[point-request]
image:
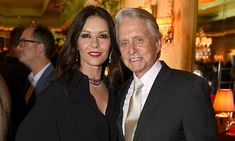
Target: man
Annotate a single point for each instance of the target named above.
(169, 104)
(36, 47)
(15, 74)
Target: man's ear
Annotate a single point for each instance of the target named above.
(41, 48)
(158, 44)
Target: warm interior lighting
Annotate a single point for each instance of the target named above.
(166, 28)
(218, 57)
(204, 1)
(224, 106)
(202, 50)
(224, 101)
(6, 28)
(166, 22)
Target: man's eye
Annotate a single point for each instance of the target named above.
(85, 36)
(124, 44)
(139, 40)
(104, 36)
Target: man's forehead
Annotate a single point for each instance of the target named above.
(27, 31)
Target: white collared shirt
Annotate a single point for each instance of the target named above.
(147, 79)
(33, 79)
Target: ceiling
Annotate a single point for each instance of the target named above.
(24, 12)
(216, 10)
(49, 12)
(217, 16)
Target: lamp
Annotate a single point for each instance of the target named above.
(224, 101)
(224, 105)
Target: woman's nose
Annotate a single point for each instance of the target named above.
(95, 43)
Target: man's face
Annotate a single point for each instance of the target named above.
(138, 49)
(27, 48)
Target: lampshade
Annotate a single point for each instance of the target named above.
(224, 101)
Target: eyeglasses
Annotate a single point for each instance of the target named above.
(23, 41)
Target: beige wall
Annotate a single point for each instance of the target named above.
(179, 53)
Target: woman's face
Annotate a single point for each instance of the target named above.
(94, 43)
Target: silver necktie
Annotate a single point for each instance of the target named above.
(133, 111)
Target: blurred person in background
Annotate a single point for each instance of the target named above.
(15, 74)
(5, 110)
(36, 47)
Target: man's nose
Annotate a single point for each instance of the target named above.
(132, 48)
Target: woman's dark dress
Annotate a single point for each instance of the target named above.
(69, 115)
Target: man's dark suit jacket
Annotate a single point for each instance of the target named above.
(178, 108)
(42, 83)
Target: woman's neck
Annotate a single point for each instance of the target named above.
(93, 73)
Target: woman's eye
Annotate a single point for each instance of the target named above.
(104, 36)
(85, 36)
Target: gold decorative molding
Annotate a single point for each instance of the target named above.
(204, 1)
(165, 19)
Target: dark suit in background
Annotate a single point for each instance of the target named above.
(44, 79)
(12, 67)
(42, 83)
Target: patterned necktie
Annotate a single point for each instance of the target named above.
(133, 111)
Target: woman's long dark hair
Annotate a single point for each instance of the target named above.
(69, 59)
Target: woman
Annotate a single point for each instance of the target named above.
(79, 104)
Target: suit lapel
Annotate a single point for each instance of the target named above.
(155, 95)
(119, 125)
(43, 81)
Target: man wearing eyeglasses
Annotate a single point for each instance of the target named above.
(36, 47)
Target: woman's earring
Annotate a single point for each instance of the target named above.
(110, 57)
(76, 59)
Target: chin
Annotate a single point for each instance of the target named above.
(136, 71)
(97, 63)
(135, 68)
